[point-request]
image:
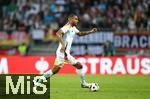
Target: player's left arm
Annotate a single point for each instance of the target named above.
(83, 33)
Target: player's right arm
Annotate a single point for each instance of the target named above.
(83, 33)
(59, 35)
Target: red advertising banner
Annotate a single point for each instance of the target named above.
(91, 65)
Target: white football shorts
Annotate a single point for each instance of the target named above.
(60, 59)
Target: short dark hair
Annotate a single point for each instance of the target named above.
(70, 16)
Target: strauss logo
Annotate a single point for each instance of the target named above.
(41, 65)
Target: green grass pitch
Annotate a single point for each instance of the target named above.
(111, 87)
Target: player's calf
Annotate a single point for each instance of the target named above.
(56, 69)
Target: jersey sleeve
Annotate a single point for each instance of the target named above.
(64, 29)
(76, 30)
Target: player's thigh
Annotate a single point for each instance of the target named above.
(59, 61)
(71, 59)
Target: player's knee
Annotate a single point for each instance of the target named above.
(56, 69)
(78, 65)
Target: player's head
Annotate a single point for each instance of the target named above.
(73, 19)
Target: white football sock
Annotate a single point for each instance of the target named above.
(82, 76)
(46, 75)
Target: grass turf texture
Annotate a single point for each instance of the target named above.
(111, 87)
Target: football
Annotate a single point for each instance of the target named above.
(94, 87)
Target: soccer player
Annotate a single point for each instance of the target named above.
(65, 36)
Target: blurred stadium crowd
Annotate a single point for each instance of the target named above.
(25, 20)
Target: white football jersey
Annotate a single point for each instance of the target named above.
(69, 33)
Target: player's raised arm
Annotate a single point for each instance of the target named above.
(83, 33)
(60, 34)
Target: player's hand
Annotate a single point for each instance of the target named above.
(93, 30)
(62, 49)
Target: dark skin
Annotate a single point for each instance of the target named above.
(72, 21)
